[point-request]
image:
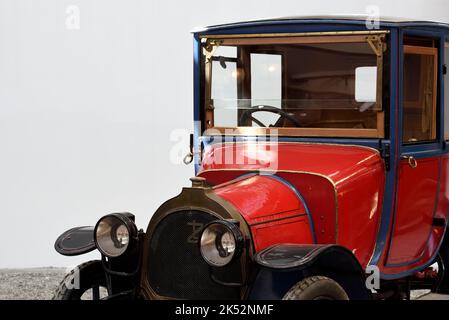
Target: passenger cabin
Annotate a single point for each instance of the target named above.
(340, 80)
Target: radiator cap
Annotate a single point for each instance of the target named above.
(198, 182)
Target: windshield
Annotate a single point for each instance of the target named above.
(329, 83)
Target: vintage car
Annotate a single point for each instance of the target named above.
(322, 168)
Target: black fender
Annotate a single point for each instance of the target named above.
(283, 265)
(443, 254)
(76, 241)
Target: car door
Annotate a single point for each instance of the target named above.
(420, 156)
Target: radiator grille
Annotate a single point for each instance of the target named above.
(176, 268)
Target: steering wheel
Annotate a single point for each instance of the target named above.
(248, 114)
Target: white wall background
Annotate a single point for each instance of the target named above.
(86, 115)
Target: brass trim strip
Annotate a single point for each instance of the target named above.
(300, 142)
(420, 50)
(279, 219)
(290, 40)
(293, 213)
(300, 34)
(299, 132)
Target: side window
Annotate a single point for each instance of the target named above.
(420, 84)
(446, 94)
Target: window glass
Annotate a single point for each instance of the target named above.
(316, 85)
(266, 85)
(224, 84)
(419, 116)
(366, 84)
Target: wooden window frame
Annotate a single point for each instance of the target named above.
(429, 51)
(311, 38)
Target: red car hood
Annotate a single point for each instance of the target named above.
(339, 163)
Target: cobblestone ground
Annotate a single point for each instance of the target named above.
(40, 284)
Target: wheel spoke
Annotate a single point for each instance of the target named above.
(96, 293)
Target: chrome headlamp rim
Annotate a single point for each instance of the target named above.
(233, 227)
(125, 220)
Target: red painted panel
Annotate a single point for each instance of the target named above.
(437, 233)
(443, 196)
(318, 193)
(415, 208)
(271, 208)
(359, 209)
(261, 198)
(287, 231)
(342, 185)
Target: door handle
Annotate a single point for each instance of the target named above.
(439, 222)
(411, 161)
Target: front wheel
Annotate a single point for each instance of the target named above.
(316, 288)
(85, 282)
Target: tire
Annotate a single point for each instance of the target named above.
(316, 288)
(444, 255)
(91, 276)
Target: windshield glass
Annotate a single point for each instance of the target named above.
(301, 83)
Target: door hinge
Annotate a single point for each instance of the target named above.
(386, 155)
(444, 69)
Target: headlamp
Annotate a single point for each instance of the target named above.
(221, 241)
(114, 233)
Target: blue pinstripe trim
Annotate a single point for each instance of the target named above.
(390, 178)
(196, 100)
(300, 197)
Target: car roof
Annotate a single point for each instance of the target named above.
(342, 19)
